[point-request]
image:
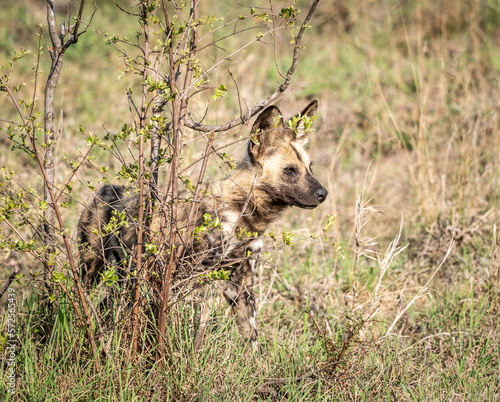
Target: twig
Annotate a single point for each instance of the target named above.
(9, 281)
(261, 105)
(281, 381)
(433, 336)
(238, 93)
(162, 314)
(423, 289)
(74, 172)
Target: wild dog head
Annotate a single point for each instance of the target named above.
(277, 149)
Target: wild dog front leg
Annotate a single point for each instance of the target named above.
(207, 301)
(239, 294)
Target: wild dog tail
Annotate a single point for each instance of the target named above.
(92, 246)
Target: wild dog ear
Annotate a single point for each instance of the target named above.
(266, 131)
(302, 121)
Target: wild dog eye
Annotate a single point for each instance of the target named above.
(311, 166)
(290, 170)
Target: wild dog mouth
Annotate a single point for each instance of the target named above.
(303, 206)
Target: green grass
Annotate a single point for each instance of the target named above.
(449, 349)
(408, 118)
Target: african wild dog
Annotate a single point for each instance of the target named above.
(275, 174)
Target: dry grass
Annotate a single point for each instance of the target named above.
(408, 125)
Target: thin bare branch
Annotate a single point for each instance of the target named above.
(9, 281)
(253, 110)
(165, 290)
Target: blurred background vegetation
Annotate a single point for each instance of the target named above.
(408, 125)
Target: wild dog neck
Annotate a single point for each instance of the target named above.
(247, 202)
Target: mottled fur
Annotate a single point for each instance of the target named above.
(275, 174)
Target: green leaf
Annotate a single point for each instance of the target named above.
(219, 92)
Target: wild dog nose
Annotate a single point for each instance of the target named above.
(321, 194)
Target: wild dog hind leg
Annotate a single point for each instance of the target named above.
(239, 294)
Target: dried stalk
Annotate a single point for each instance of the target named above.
(423, 289)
